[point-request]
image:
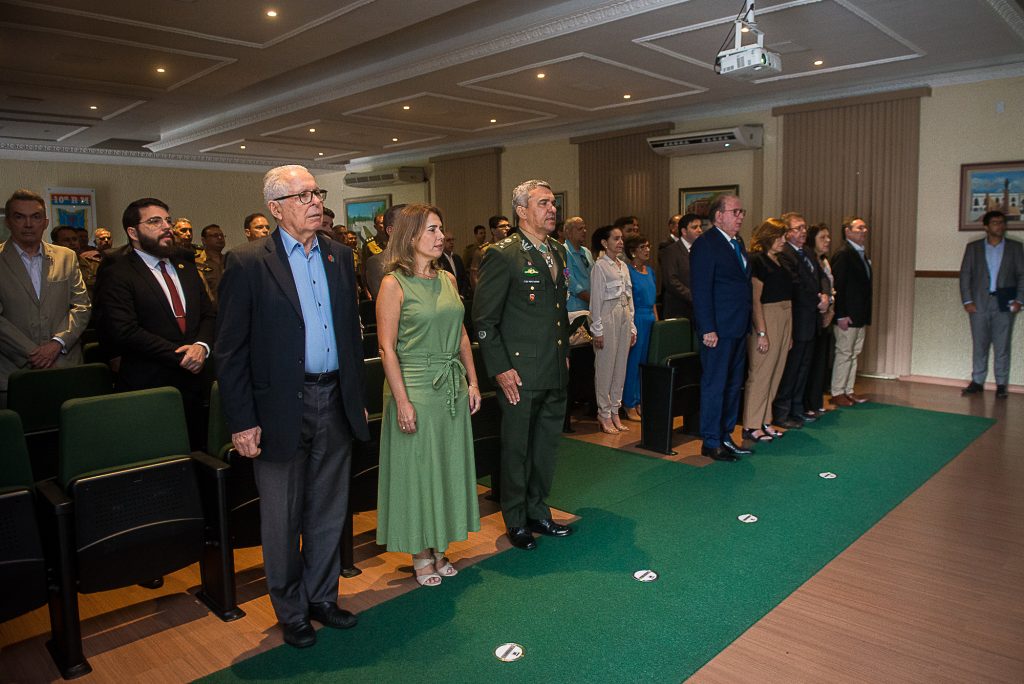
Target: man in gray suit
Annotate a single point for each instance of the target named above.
(991, 288)
(44, 306)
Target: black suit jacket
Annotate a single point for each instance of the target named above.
(853, 287)
(136, 322)
(460, 273)
(261, 343)
(677, 300)
(806, 286)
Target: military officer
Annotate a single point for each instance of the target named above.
(523, 330)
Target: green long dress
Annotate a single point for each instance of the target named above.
(427, 485)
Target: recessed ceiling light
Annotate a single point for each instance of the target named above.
(541, 75)
(394, 140)
(93, 107)
(727, 144)
(818, 62)
(406, 107)
(494, 121)
(745, 29)
(626, 96)
(241, 147)
(160, 70)
(271, 13)
(312, 130)
(320, 154)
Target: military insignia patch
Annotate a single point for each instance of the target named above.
(374, 247)
(482, 334)
(530, 270)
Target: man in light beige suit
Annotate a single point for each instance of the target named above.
(43, 303)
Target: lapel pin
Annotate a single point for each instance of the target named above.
(181, 266)
(330, 257)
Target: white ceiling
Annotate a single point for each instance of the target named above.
(79, 77)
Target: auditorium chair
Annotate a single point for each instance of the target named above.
(37, 395)
(487, 427)
(669, 384)
(22, 566)
(368, 313)
(370, 347)
(126, 508)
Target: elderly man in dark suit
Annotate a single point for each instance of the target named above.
(154, 312)
(808, 304)
(452, 262)
(851, 269)
(991, 288)
(674, 260)
(289, 362)
(720, 281)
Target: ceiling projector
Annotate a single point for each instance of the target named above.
(747, 62)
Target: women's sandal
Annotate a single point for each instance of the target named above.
(606, 426)
(775, 434)
(444, 566)
(763, 437)
(618, 424)
(430, 579)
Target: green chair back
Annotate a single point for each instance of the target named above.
(374, 386)
(218, 434)
(15, 467)
(37, 395)
(669, 337)
(101, 433)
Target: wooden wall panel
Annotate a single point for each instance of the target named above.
(467, 188)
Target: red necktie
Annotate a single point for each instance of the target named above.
(179, 310)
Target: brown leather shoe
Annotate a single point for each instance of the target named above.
(855, 398)
(842, 400)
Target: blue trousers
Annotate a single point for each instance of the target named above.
(721, 380)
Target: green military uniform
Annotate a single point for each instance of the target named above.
(211, 271)
(521, 322)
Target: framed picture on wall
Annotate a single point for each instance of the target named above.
(75, 207)
(698, 200)
(993, 186)
(359, 213)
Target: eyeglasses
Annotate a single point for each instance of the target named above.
(305, 197)
(158, 221)
(738, 213)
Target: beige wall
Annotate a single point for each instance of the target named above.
(960, 124)
(221, 197)
(556, 162)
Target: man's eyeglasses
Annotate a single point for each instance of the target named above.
(738, 213)
(158, 221)
(305, 197)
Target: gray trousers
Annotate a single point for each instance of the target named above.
(306, 497)
(991, 328)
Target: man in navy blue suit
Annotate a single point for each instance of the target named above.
(720, 283)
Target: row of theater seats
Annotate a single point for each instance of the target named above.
(111, 497)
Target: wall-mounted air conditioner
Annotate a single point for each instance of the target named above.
(384, 177)
(704, 142)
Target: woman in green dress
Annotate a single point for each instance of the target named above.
(427, 484)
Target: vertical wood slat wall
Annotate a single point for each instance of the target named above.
(467, 190)
(621, 176)
(861, 158)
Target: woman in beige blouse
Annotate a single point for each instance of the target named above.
(611, 313)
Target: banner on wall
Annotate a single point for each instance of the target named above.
(75, 207)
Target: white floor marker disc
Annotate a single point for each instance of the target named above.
(747, 518)
(827, 476)
(509, 652)
(645, 575)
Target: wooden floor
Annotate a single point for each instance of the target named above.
(933, 593)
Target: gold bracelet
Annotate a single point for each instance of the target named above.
(474, 386)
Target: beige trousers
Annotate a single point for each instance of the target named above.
(849, 343)
(610, 362)
(766, 369)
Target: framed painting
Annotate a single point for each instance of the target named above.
(995, 186)
(75, 207)
(698, 200)
(359, 213)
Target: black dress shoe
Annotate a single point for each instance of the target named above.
(735, 448)
(152, 584)
(299, 634)
(718, 454)
(330, 615)
(809, 416)
(549, 528)
(521, 538)
(1001, 392)
(972, 388)
(791, 423)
